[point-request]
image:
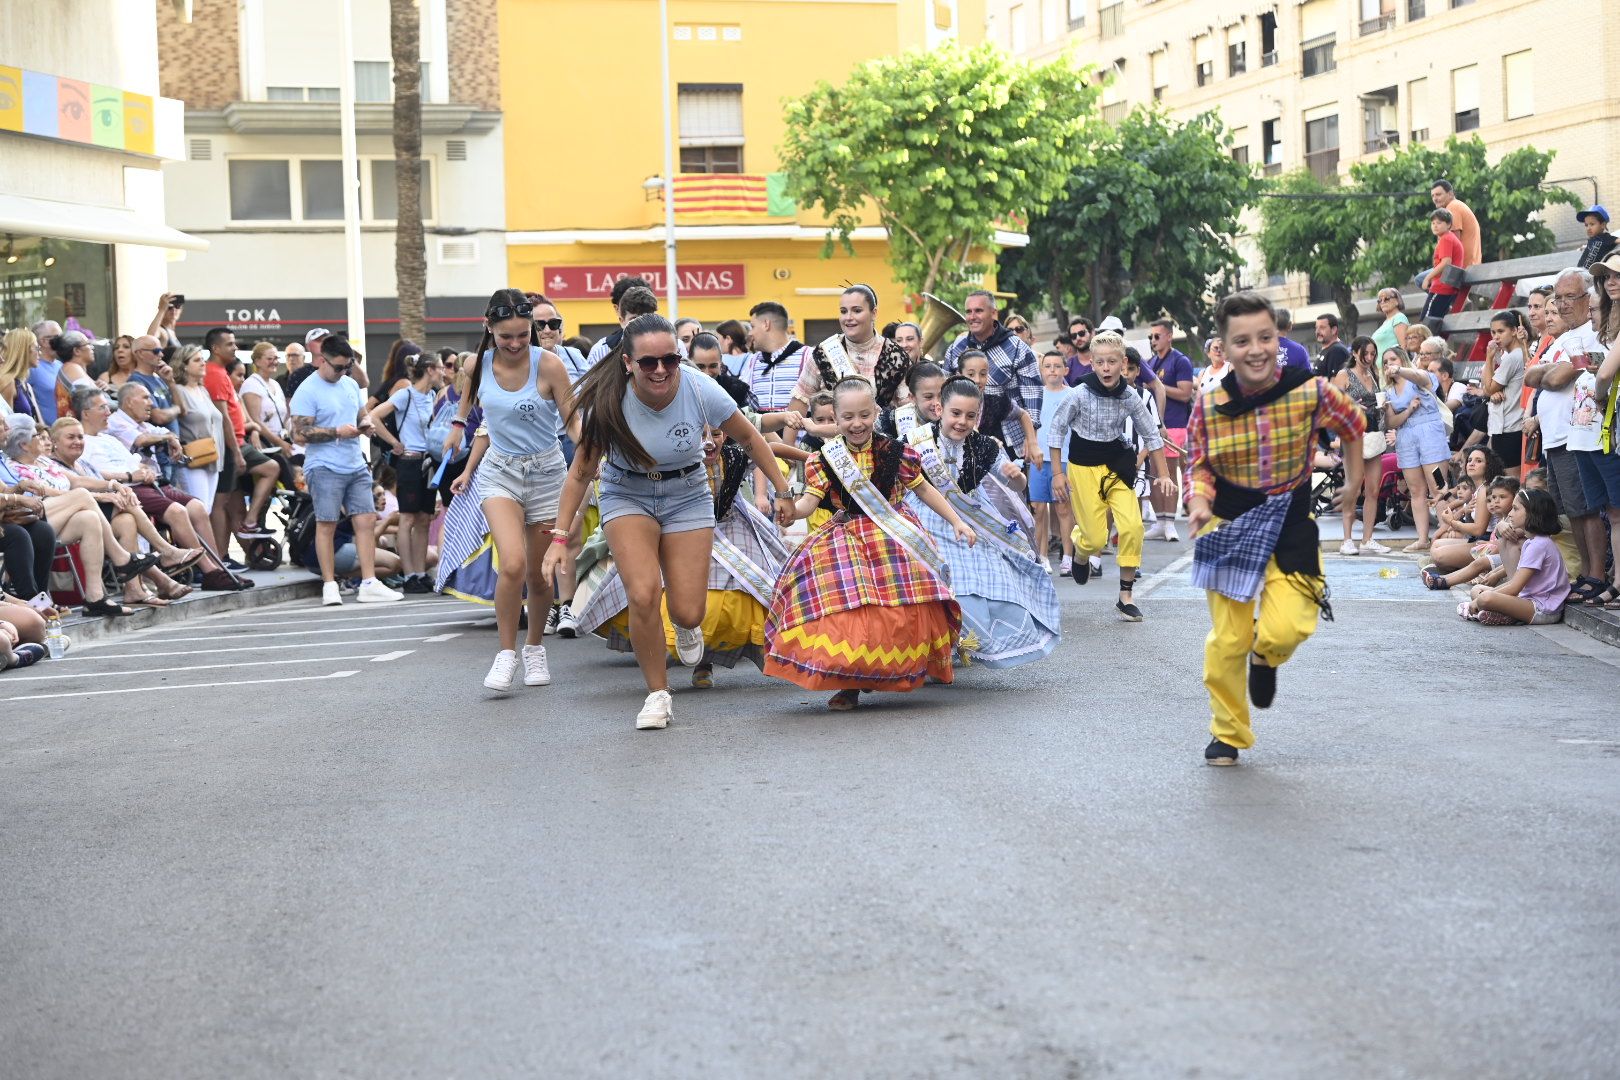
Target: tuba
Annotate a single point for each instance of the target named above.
(937, 317)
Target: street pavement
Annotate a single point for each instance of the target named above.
(297, 842)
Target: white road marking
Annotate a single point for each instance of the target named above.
(89, 674)
(303, 633)
(352, 620)
(426, 640)
(1164, 575)
(1590, 742)
(240, 648)
(385, 657)
(182, 686)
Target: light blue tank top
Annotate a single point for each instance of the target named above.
(520, 423)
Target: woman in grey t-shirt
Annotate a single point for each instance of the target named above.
(642, 415)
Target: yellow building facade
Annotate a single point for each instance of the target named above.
(584, 148)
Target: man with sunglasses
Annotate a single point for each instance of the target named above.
(152, 373)
(328, 417)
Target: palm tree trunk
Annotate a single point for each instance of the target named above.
(410, 254)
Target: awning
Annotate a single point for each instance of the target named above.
(98, 224)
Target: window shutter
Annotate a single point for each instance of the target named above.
(1318, 18)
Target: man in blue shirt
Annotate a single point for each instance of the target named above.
(1290, 353)
(152, 373)
(328, 417)
(42, 376)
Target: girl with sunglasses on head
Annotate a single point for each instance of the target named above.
(516, 468)
(642, 416)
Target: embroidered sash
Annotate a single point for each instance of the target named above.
(939, 474)
(760, 585)
(837, 358)
(899, 528)
(905, 420)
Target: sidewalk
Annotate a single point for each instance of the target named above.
(270, 587)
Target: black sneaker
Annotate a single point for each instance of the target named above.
(1262, 684)
(1080, 570)
(1128, 612)
(1218, 753)
(417, 583)
(234, 566)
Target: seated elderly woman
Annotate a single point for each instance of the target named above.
(130, 521)
(71, 511)
(107, 455)
(27, 543)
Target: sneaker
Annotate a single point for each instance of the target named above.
(702, 678)
(567, 625)
(1128, 612)
(689, 645)
(27, 654)
(1262, 683)
(331, 595)
(1376, 548)
(1095, 562)
(375, 592)
(235, 567)
(502, 671)
(552, 618)
(1218, 753)
(1080, 570)
(1066, 567)
(1154, 532)
(1044, 564)
(417, 583)
(535, 671)
(1348, 548)
(1170, 533)
(655, 712)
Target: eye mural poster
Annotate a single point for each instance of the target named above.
(70, 110)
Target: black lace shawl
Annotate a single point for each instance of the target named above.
(979, 452)
(734, 467)
(886, 455)
(890, 372)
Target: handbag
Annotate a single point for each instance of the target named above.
(200, 452)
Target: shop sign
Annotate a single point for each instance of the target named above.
(691, 280)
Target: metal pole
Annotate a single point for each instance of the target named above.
(351, 177)
(672, 301)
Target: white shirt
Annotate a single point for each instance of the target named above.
(272, 402)
(106, 454)
(1556, 407)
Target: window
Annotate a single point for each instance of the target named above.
(1268, 39)
(260, 191)
(1017, 32)
(1417, 104)
(1322, 142)
(373, 81)
(1240, 154)
(1237, 58)
(1317, 57)
(1112, 20)
(1204, 59)
(1380, 123)
(1415, 10)
(383, 205)
(1518, 92)
(1376, 16)
(1158, 74)
(1077, 13)
(711, 127)
(1465, 98)
(322, 183)
(1052, 19)
(1271, 146)
(300, 93)
(1318, 28)
(324, 93)
(1240, 145)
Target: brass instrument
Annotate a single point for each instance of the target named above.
(937, 318)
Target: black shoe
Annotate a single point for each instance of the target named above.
(417, 583)
(1218, 753)
(1080, 570)
(137, 565)
(1128, 612)
(1262, 684)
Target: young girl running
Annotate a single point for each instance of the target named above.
(865, 603)
(413, 468)
(924, 381)
(1538, 589)
(517, 466)
(1049, 510)
(1009, 606)
(642, 417)
(747, 555)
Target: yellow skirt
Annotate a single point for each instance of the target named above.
(733, 629)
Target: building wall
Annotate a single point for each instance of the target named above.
(201, 59)
(1575, 113)
(475, 55)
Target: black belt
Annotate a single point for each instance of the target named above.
(667, 474)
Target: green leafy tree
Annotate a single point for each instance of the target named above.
(1306, 229)
(943, 145)
(1144, 227)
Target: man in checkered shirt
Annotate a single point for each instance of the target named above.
(1015, 370)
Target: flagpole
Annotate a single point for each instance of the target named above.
(672, 301)
(354, 283)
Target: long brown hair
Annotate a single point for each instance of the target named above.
(499, 298)
(599, 398)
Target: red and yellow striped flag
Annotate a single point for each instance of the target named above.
(732, 195)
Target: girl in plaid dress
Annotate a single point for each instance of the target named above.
(865, 603)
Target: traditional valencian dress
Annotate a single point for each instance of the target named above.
(881, 362)
(1009, 607)
(747, 555)
(865, 603)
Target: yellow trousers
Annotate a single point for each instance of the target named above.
(1287, 617)
(1094, 490)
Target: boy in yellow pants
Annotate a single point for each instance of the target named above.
(1101, 474)
(1251, 438)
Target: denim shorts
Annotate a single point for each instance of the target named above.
(1600, 478)
(678, 504)
(533, 481)
(1040, 482)
(336, 493)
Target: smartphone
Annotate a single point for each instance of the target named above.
(177, 300)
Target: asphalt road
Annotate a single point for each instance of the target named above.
(304, 843)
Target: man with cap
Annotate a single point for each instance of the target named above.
(1599, 240)
(312, 347)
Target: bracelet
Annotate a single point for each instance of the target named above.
(559, 538)
(559, 534)
(456, 421)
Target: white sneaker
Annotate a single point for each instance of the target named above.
(689, 646)
(1043, 564)
(375, 592)
(1154, 531)
(1170, 533)
(1375, 547)
(1066, 566)
(567, 625)
(331, 594)
(535, 671)
(655, 712)
(1347, 548)
(502, 671)
(1096, 566)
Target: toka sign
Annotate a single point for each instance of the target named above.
(691, 280)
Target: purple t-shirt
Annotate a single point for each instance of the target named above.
(1078, 369)
(1548, 587)
(1174, 369)
(1293, 354)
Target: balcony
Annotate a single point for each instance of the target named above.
(1384, 141)
(1323, 164)
(1268, 59)
(1272, 168)
(1378, 25)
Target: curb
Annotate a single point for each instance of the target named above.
(1596, 623)
(192, 607)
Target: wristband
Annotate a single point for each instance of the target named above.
(556, 539)
(456, 421)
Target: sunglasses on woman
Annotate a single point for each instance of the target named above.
(650, 363)
(509, 311)
(548, 324)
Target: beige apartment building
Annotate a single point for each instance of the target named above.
(1324, 83)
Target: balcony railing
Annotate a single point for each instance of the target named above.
(1268, 59)
(1323, 164)
(1272, 168)
(1378, 25)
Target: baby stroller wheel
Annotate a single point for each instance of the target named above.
(264, 553)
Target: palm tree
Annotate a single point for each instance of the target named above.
(410, 255)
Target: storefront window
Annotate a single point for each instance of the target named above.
(69, 281)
